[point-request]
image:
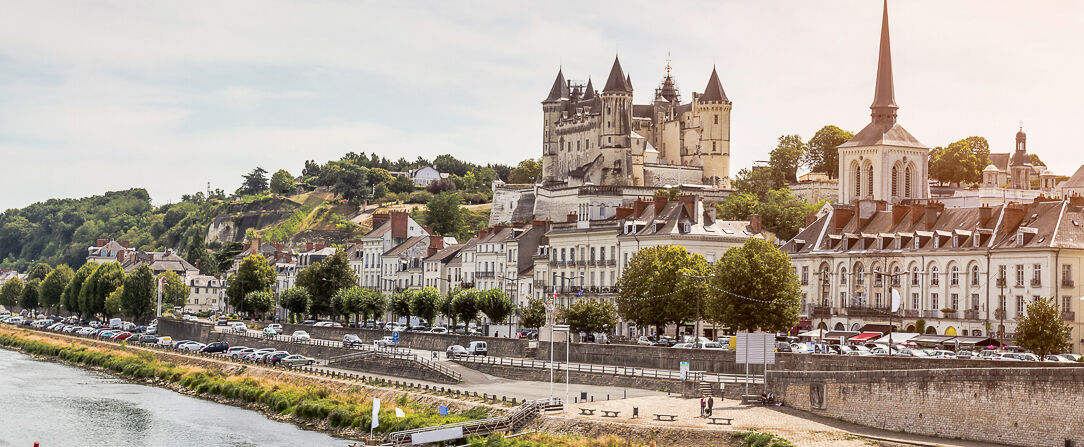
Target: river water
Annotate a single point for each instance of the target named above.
(60, 405)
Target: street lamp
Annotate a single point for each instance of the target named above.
(568, 370)
(895, 302)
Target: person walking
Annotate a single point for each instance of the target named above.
(702, 402)
(711, 403)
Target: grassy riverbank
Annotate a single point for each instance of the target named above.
(344, 411)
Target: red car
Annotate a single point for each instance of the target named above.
(122, 336)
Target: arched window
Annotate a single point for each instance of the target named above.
(955, 278)
(895, 182)
(914, 276)
(974, 275)
(869, 180)
(859, 275)
(843, 276)
(896, 276)
(857, 182)
(907, 182)
(935, 276)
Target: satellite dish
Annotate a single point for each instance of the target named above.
(895, 300)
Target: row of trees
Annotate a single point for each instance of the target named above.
(752, 287)
(94, 290)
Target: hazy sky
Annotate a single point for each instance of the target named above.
(98, 96)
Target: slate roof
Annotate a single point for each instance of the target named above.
(714, 91)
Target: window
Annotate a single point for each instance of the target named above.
(805, 275)
(843, 276)
(592, 255)
(914, 301)
(1001, 302)
(914, 276)
(563, 255)
(896, 276)
(877, 299)
(907, 182)
(716, 119)
(954, 278)
(869, 180)
(955, 301)
(613, 252)
(1066, 304)
(935, 276)
(1019, 275)
(1066, 274)
(842, 299)
(1036, 274)
(974, 275)
(857, 181)
(572, 255)
(859, 275)
(975, 301)
(895, 181)
(933, 301)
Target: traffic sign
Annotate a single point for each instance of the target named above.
(395, 336)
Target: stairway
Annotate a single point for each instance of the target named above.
(705, 389)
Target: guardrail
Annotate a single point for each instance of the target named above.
(509, 422)
(699, 376)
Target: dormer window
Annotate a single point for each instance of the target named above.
(1019, 237)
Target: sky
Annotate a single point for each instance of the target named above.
(168, 96)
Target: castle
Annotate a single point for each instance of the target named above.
(602, 138)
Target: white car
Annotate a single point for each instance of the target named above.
(194, 346)
(275, 327)
(258, 353)
(239, 327)
(301, 336)
(438, 330)
(166, 341)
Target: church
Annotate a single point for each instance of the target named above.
(602, 138)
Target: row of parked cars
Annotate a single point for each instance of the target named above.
(74, 324)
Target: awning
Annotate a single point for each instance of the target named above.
(976, 341)
(834, 335)
(865, 336)
(898, 337)
(932, 340)
(812, 334)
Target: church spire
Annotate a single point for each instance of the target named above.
(884, 99)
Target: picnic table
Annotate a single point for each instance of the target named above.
(668, 417)
(587, 411)
(610, 413)
(715, 420)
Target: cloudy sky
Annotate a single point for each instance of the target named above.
(98, 96)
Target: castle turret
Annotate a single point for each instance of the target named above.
(616, 108)
(552, 107)
(713, 108)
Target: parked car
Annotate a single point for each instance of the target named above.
(308, 322)
(165, 341)
(122, 336)
(718, 346)
(268, 332)
(456, 351)
(478, 348)
(645, 341)
(275, 327)
(327, 324)
(296, 360)
(242, 353)
(683, 346)
(256, 354)
(152, 330)
(148, 339)
(964, 354)
(418, 328)
(239, 327)
(301, 336)
(352, 340)
(1071, 357)
(234, 349)
(192, 347)
(218, 346)
(438, 330)
(274, 357)
(222, 321)
(385, 342)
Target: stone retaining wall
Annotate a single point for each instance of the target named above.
(684, 388)
(503, 347)
(1014, 406)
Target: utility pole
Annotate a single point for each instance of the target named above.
(158, 312)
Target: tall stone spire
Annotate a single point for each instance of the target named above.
(559, 91)
(884, 98)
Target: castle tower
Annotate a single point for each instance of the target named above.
(714, 112)
(883, 161)
(1020, 165)
(616, 109)
(552, 108)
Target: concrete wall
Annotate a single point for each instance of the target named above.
(1014, 406)
(684, 388)
(503, 347)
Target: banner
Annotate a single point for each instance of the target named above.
(376, 413)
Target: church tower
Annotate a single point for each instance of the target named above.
(552, 107)
(883, 161)
(713, 108)
(1020, 164)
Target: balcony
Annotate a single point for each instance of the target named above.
(935, 282)
(949, 313)
(867, 312)
(1068, 316)
(581, 263)
(910, 313)
(822, 312)
(999, 314)
(611, 261)
(1036, 282)
(930, 314)
(485, 274)
(1000, 282)
(972, 314)
(1067, 283)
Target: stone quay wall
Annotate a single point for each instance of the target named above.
(502, 347)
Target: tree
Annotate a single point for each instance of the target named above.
(198, 256)
(260, 302)
(1041, 329)
(38, 271)
(253, 275)
(533, 314)
(282, 182)
(496, 305)
(757, 180)
(822, 154)
(786, 157)
(527, 172)
(11, 293)
(379, 175)
(449, 164)
(738, 206)
(657, 289)
(31, 290)
(961, 162)
(323, 279)
(446, 306)
(113, 302)
(174, 291)
(102, 282)
(754, 288)
(400, 304)
(70, 300)
(296, 300)
(254, 182)
(1034, 158)
(139, 298)
(783, 213)
(443, 213)
(52, 288)
(373, 303)
(345, 179)
(465, 306)
(424, 304)
(590, 316)
(346, 301)
(401, 183)
(439, 186)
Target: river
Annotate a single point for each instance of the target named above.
(60, 405)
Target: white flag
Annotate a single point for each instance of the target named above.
(399, 413)
(376, 413)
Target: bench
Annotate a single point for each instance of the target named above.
(610, 413)
(587, 411)
(668, 417)
(715, 420)
(746, 398)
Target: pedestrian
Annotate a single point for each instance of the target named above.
(702, 402)
(711, 403)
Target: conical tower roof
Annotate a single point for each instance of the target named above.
(714, 91)
(589, 91)
(559, 91)
(884, 97)
(628, 82)
(617, 82)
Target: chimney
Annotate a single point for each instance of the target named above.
(660, 203)
(754, 222)
(125, 244)
(483, 233)
(379, 219)
(308, 246)
(689, 201)
(1014, 215)
(840, 217)
(428, 229)
(918, 210)
(538, 223)
(319, 246)
(867, 210)
(810, 218)
(399, 224)
(709, 215)
(933, 210)
(898, 212)
(572, 217)
(101, 242)
(121, 255)
(985, 213)
(638, 207)
(436, 243)
(1076, 200)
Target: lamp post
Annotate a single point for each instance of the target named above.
(568, 341)
(892, 308)
(161, 281)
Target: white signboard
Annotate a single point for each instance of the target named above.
(755, 349)
(441, 435)
(684, 370)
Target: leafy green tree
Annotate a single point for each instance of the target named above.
(139, 298)
(102, 282)
(401, 184)
(657, 287)
(496, 305)
(254, 182)
(961, 162)
(786, 157)
(11, 293)
(533, 314)
(323, 279)
(590, 316)
(296, 300)
(822, 154)
(31, 290)
(757, 180)
(738, 206)
(38, 271)
(424, 303)
(282, 182)
(113, 302)
(345, 179)
(198, 256)
(754, 288)
(344, 300)
(373, 304)
(443, 214)
(465, 306)
(527, 172)
(260, 302)
(1041, 329)
(446, 306)
(784, 214)
(447, 163)
(400, 304)
(1033, 157)
(52, 288)
(174, 292)
(253, 275)
(378, 176)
